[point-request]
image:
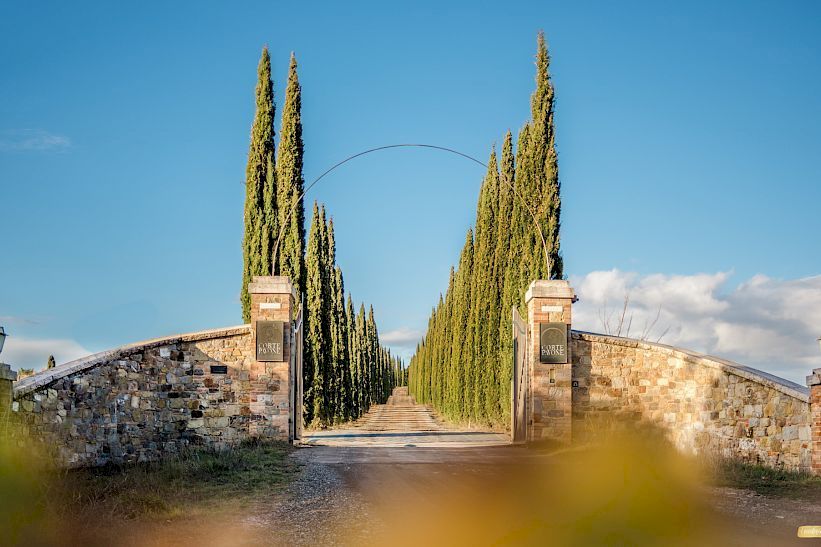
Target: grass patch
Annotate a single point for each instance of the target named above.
(190, 483)
(765, 480)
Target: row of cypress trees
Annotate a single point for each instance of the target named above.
(274, 186)
(463, 365)
(345, 368)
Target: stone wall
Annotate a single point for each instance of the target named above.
(7, 377)
(145, 400)
(814, 385)
(704, 403)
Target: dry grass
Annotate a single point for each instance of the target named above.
(195, 480)
(42, 504)
(765, 480)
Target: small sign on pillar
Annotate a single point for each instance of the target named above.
(270, 340)
(553, 343)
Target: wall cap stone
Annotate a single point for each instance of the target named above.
(49, 376)
(782, 385)
(6, 373)
(550, 288)
(272, 284)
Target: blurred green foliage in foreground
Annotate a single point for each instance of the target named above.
(41, 504)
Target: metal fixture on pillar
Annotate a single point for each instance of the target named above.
(2, 338)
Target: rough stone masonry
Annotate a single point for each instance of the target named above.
(142, 401)
(704, 404)
(146, 400)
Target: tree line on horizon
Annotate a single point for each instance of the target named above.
(345, 367)
(463, 365)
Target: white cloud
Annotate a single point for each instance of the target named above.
(766, 323)
(25, 140)
(403, 336)
(13, 320)
(402, 341)
(33, 353)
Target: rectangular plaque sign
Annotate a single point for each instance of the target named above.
(269, 340)
(553, 343)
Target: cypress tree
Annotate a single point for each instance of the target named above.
(545, 165)
(440, 361)
(450, 404)
(339, 370)
(326, 317)
(482, 299)
(461, 349)
(260, 187)
(462, 365)
(353, 364)
(315, 342)
(521, 221)
(372, 349)
(362, 360)
(290, 257)
(335, 344)
(345, 367)
(503, 277)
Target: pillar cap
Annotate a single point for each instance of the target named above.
(814, 379)
(6, 373)
(272, 284)
(550, 288)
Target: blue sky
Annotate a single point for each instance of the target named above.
(688, 139)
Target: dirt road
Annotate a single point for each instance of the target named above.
(399, 477)
(403, 423)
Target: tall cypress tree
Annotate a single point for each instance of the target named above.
(260, 187)
(353, 356)
(290, 257)
(450, 404)
(335, 346)
(345, 412)
(373, 349)
(545, 166)
(315, 341)
(345, 368)
(362, 360)
(459, 366)
(503, 276)
(338, 371)
(481, 381)
(461, 349)
(521, 221)
(326, 317)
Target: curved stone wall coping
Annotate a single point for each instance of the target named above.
(787, 387)
(48, 376)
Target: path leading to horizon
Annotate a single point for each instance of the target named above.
(400, 477)
(401, 422)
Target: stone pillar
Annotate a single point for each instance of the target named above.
(273, 301)
(7, 377)
(814, 383)
(550, 402)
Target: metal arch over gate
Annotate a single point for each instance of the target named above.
(521, 375)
